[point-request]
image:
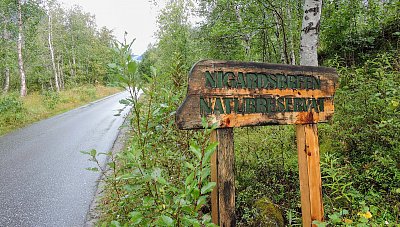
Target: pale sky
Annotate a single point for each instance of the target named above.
(137, 17)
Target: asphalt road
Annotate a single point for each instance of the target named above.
(43, 180)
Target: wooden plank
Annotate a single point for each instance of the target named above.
(310, 174)
(223, 196)
(214, 178)
(237, 94)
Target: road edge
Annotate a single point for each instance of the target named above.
(93, 215)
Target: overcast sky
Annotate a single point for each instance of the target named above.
(137, 17)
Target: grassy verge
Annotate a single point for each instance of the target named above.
(16, 112)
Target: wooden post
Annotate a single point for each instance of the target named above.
(222, 172)
(310, 174)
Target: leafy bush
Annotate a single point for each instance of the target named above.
(11, 110)
(163, 176)
(51, 99)
(363, 164)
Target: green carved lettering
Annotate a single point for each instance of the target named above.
(205, 106)
(321, 104)
(261, 105)
(238, 107)
(271, 105)
(261, 80)
(210, 81)
(218, 109)
(281, 104)
(316, 83)
(309, 83)
(219, 78)
(314, 105)
(240, 81)
(300, 82)
(228, 78)
(299, 105)
(282, 82)
(227, 102)
(250, 105)
(292, 82)
(272, 84)
(289, 104)
(251, 80)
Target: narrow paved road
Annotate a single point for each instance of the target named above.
(43, 180)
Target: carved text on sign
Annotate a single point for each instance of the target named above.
(236, 94)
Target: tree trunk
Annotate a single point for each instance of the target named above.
(50, 37)
(61, 74)
(20, 59)
(307, 135)
(6, 81)
(245, 37)
(292, 53)
(310, 32)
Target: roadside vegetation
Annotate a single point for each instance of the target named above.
(51, 60)
(17, 112)
(162, 177)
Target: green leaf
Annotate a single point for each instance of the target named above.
(165, 221)
(207, 188)
(189, 179)
(319, 223)
(208, 152)
(115, 224)
(136, 217)
(195, 193)
(189, 165)
(132, 67)
(200, 202)
(196, 150)
(112, 65)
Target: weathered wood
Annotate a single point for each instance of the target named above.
(310, 174)
(222, 167)
(237, 94)
(214, 178)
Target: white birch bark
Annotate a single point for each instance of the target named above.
(310, 32)
(50, 41)
(6, 81)
(20, 59)
(245, 37)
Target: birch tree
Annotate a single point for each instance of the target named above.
(6, 81)
(19, 46)
(51, 48)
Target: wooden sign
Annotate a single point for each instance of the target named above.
(237, 94)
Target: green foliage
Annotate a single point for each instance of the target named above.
(162, 178)
(51, 99)
(364, 165)
(81, 50)
(11, 110)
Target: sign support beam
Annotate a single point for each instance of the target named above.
(222, 172)
(310, 175)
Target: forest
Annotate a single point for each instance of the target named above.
(46, 52)
(162, 177)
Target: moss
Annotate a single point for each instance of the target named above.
(269, 214)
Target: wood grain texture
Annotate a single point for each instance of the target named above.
(310, 173)
(223, 195)
(188, 115)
